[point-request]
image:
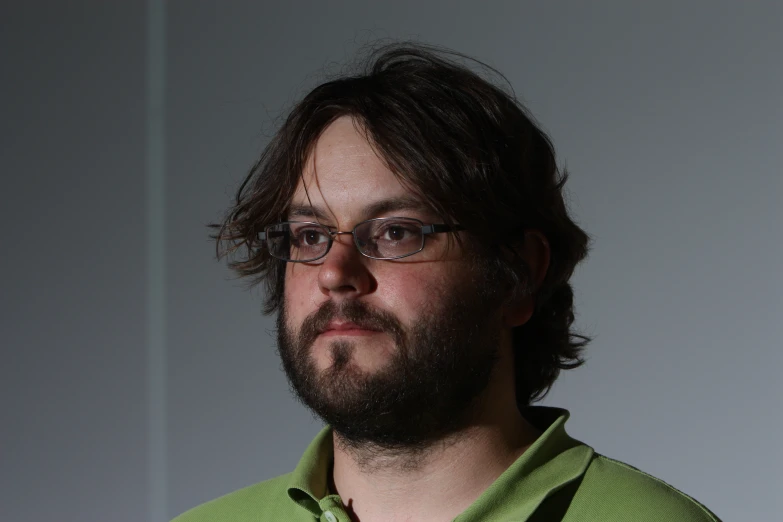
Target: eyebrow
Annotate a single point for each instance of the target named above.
(374, 209)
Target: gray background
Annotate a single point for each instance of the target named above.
(668, 115)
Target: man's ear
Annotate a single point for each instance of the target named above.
(535, 251)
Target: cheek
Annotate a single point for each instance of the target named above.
(407, 292)
(298, 294)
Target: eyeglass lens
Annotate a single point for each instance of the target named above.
(379, 238)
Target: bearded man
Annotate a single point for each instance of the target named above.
(409, 228)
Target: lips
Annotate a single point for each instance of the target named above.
(346, 328)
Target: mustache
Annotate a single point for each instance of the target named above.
(355, 312)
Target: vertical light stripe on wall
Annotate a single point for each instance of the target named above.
(156, 260)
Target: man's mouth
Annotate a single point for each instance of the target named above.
(346, 328)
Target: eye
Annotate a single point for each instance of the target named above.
(398, 231)
(310, 237)
(313, 237)
(395, 233)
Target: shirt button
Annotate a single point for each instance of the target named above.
(330, 516)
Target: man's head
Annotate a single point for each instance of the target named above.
(395, 351)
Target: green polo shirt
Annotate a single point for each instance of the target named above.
(557, 479)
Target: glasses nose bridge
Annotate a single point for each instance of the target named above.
(335, 233)
(340, 232)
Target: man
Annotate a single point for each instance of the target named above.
(409, 227)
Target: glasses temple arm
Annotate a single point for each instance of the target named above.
(435, 229)
(263, 235)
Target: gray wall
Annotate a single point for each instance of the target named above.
(668, 115)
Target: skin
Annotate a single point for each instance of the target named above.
(344, 176)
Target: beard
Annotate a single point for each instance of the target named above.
(424, 391)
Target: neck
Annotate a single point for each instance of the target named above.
(439, 482)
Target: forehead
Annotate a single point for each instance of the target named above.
(345, 180)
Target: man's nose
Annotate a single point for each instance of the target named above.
(344, 271)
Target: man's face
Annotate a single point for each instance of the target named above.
(385, 351)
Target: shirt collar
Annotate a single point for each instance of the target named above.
(308, 483)
(551, 462)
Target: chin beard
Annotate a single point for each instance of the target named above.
(425, 391)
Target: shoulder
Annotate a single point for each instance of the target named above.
(267, 500)
(613, 490)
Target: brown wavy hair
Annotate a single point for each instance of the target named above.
(469, 149)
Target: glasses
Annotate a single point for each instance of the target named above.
(381, 238)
